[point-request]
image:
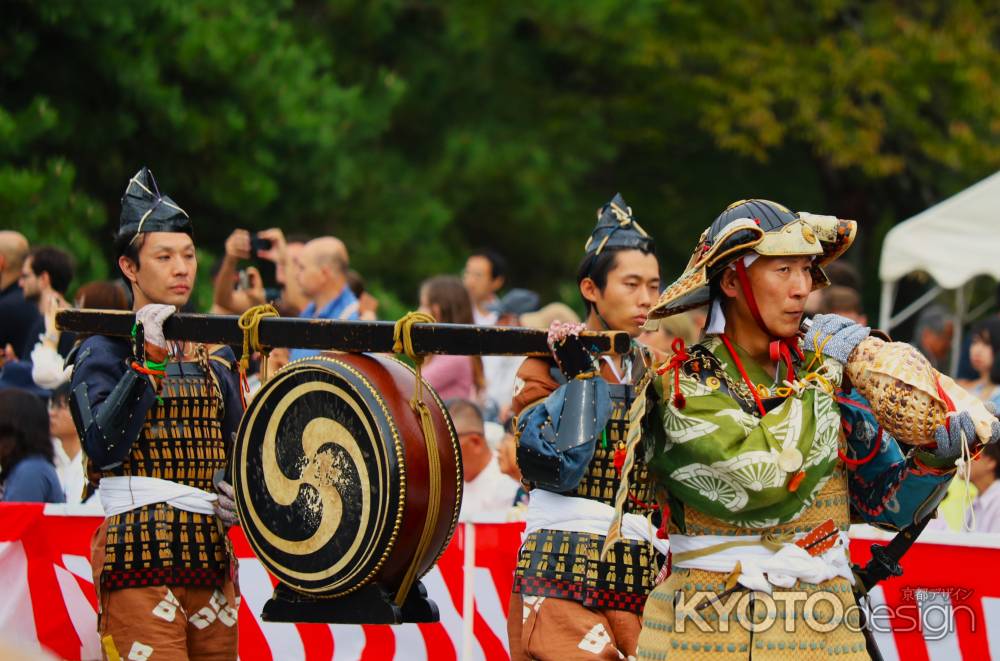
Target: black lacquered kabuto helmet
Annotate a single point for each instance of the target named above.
(760, 226)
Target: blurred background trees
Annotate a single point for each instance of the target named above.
(418, 130)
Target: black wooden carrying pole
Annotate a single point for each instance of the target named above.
(347, 336)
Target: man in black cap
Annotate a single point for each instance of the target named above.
(573, 420)
(156, 420)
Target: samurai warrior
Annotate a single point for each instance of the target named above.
(767, 454)
(156, 420)
(573, 412)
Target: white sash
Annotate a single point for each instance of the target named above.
(761, 567)
(553, 511)
(125, 493)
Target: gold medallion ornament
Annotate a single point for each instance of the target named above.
(808, 234)
(331, 474)
(790, 460)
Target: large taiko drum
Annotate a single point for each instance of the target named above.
(335, 485)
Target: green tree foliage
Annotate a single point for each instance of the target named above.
(893, 104)
(419, 130)
(233, 109)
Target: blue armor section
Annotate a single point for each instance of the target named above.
(895, 488)
(557, 437)
(109, 401)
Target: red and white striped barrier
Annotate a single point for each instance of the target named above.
(946, 606)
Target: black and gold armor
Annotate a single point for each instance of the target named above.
(567, 565)
(182, 433)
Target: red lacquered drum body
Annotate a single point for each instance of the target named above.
(333, 477)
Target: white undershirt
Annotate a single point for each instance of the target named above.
(70, 471)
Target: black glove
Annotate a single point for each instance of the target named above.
(568, 349)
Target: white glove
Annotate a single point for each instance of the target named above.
(962, 430)
(151, 317)
(837, 336)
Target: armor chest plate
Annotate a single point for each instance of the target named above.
(181, 439)
(601, 480)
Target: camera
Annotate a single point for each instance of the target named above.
(257, 244)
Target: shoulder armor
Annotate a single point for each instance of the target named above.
(222, 360)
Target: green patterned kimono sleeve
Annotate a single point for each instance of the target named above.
(724, 461)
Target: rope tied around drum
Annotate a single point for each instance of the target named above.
(402, 343)
(249, 323)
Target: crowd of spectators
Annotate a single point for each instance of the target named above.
(311, 277)
(41, 459)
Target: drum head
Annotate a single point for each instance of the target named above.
(316, 474)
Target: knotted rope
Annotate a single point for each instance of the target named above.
(676, 364)
(249, 323)
(402, 342)
(771, 541)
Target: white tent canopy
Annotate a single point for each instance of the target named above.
(953, 241)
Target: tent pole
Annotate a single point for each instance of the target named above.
(980, 310)
(914, 307)
(956, 335)
(885, 306)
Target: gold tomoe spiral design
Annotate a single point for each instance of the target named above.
(323, 476)
(315, 487)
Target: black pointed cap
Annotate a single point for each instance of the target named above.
(617, 229)
(145, 209)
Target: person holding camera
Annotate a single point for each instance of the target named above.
(249, 286)
(284, 252)
(237, 290)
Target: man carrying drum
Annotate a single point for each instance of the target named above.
(157, 421)
(573, 414)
